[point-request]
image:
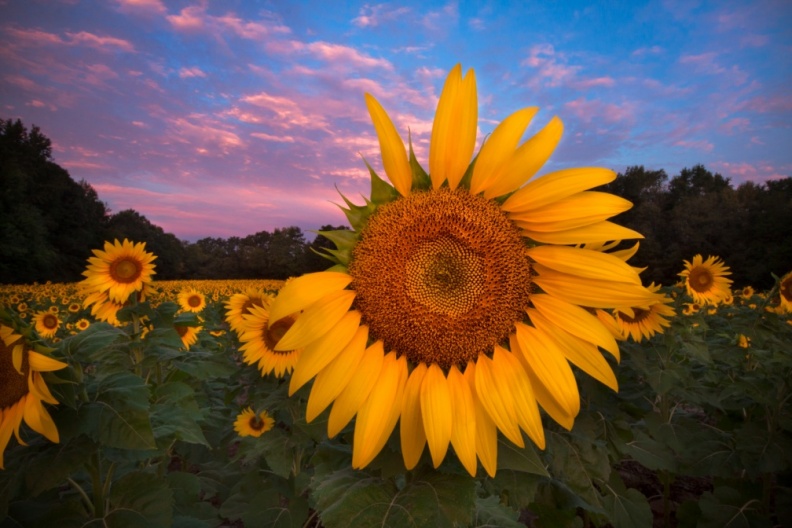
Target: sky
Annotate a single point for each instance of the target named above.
(226, 118)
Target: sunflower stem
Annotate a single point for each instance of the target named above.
(98, 488)
(81, 491)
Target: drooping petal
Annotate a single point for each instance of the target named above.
(322, 351)
(576, 211)
(599, 232)
(454, 129)
(336, 375)
(305, 290)
(584, 263)
(347, 404)
(394, 155)
(551, 377)
(411, 431)
(495, 156)
(509, 369)
(463, 430)
(42, 363)
(436, 412)
(528, 159)
(379, 413)
(486, 430)
(497, 400)
(556, 186)
(317, 319)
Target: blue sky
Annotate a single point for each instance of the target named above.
(226, 118)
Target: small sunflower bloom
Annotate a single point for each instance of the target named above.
(706, 281)
(119, 270)
(191, 300)
(46, 323)
(248, 423)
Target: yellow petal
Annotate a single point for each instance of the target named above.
(599, 232)
(497, 400)
(317, 319)
(486, 431)
(555, 186)
(528, 159)
(509, 369)
(579, 210)
(332, 379)
(575, 320)
(454, 129)
(305, 290)
(17, 358)
(322, 351)
(498, 149)
(436, 412)
(593, 293)
(42, 363)
(354, 394)
(394, 155)
(580, 353)
(411, 431)
(551, 377)
(380, 412)
(584, 263)
(37, 417)
(463, 430)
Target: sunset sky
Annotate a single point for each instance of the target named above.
(224, 118)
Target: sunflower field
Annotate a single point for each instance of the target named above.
(479, 353)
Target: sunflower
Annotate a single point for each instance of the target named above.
(459, 300)
(74, 307)
(646, 322)
(259, 339)
(239, 305)
(191, 300)
(188, 335)
(747, 292)
(121, 269)
(82, 324)
(47, 323)
(785, 292)
(705, 280)
(248, 423)
(22, 389)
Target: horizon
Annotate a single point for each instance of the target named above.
(223, 121)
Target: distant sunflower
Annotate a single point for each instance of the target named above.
(248, 423)
(191, 300)
(82, 324)
(47, 323)
(646, 322)
(122, 268)
(22, 389)
(259, 340)
(239, 305)
(747, 292)
(188, 335)
(785, 292)
(458, 302)
(74, 307)
(706, 280)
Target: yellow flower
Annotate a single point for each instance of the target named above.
(691, 308)
(706, 280)
(74, 307)
(747, 292)
(744, 341)
(191, 300)
(22, 389)
(82, 324)
(248, 423)
(646, 322)
(259, 339)
(122, 268)
(47, 323)
(239, 305)
(458, 302)
(188, 334)
(785, 292)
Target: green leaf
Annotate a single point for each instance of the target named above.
(726, 507)
(650, 453)
(490, 513)
(55, 464)
(626, 508)
(138, 498)
(525, 460)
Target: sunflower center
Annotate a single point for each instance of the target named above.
(125, 270)
(49, 321)
(256, 423)
(181, 330)
(440, 276)
(250, 303)
(194, 301)
(275, 333)
(639, 314)
(701, 279)
(13, 385)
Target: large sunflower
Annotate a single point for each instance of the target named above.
(122, 268)
(459, 301)
(22, 389)
(706, 281)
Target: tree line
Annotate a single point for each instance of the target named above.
(49, 224)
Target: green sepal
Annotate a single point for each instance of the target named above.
(381, 191)
(335, 255)
(464, 183)
(420, 178)
(357, 215)
(344, 239)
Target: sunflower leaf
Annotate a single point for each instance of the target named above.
(490, 512)
(140, 499)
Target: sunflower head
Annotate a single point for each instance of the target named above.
(47, 323)
(706, 280)
(644, 323)
(461, 295)
(259, 341)
(240, 304)
(119, 270)
(250, 423)
(191, 300)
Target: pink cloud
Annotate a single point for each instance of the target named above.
(757, 172)
(739, 124)
(37, 37)
(190, 18)
(551, 65)
(287, 112)
(589, 111)
(373, 16)
(702, 145)
(186, 73)
(195, 18)
(148, 6)
(100, 43)
(764, 104)
(349, 57)
(652, 50)
(595, 82)
(270, 137)
(198, 129)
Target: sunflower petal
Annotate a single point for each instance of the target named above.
(584, 263)
(486, 430)
(579, 210)
(380, 412)
(555, 186)
(42, 363)
(354, 394)
(599, 232)
(411, 431)
(509, 369)
(332, 379)
(317, 319)
(497, 400)
(306, 290)
(463, 430)
(436, 412)
(394, 155)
